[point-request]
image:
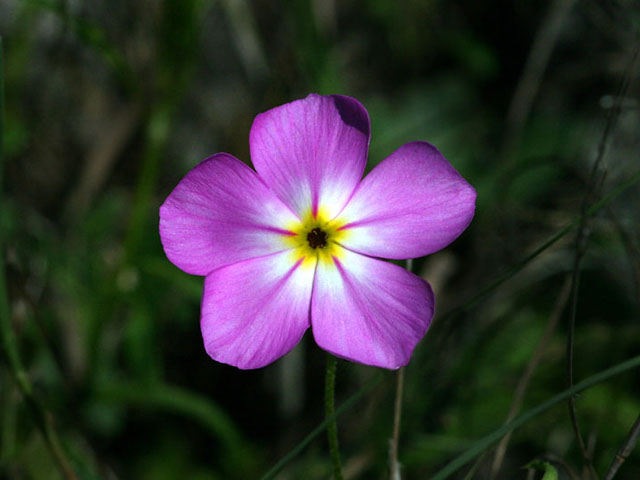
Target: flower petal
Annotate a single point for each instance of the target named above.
(312, 152)
(369, 311)
(221, 213)
(255, 311)
(412, 204)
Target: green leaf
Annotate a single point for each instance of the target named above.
(550, 472)
(172, 398)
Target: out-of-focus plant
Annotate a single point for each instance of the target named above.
(108, 102)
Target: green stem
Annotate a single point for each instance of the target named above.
(394, 464)
(329, 410)
(351, 402)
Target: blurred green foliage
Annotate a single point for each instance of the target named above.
(109, 103)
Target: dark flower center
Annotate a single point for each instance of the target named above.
(317, 238)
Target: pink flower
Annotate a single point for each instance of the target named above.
(296, 245)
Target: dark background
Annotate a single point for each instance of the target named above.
(108, 103)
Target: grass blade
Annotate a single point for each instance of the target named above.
(40, 416)
(486, 442)
(513, 270)
(172, 398)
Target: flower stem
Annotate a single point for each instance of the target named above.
(329, 409)
(394, 464)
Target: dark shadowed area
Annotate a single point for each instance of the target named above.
(109, 103)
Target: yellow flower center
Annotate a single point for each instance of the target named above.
(316, 237)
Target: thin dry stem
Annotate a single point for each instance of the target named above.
(592, 194)
(625, 450)
(523, 383)
(534, 68)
